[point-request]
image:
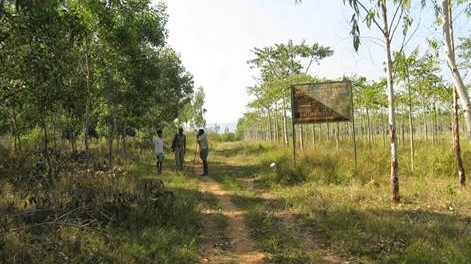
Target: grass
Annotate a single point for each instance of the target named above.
(349, 213)
(321, 211)
(113, 215)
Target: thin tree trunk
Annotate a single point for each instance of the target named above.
(313, 128)
(328, 131)
(277, 129)
(451, 58)
(426, 126)
(124, 146)
(411, 129)
(270, 128)
(456, 141)
(16, 131)
(301, 137)
(46, 146)
(86, 122)
(394, 178)
(285, 123)
(110, 142)
(368, 128)
(403, 132)
(337, 135)
(436, 123)
(54, 134)
(383, 128)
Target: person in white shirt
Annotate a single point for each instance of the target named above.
(202, 139)
(159, 149)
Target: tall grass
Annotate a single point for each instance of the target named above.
(99, 215)
(350, 211)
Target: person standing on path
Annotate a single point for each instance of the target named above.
(179, 147)
(202, 139)
(159, 149)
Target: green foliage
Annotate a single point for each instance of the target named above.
(88, 68)
(281, 66)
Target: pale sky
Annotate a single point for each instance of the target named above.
(214, 39)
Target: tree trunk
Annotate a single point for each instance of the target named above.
(337, 134)
(125, 154)
(285, 123)
(425, 126)
(313, 128)
(54, 134)
(86, 122)
(383, 128)
(16, 131)
(301, 137)
(411, 129)
(436, 123)
(277, 129)
(270, 128)
(394, 178)
(456, 141)
(110, 142)
(46, 146)
(368, 128)
(451, 58)
(328, 131)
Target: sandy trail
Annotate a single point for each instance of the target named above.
(242, 244)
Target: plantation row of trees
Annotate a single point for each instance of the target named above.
(81, 69)
(413, 100)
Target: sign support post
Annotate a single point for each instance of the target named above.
(293, 125)
(354, 141)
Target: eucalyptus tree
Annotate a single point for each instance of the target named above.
(263, 103)
(193, 113)
(464, 54)
(445, 11)
(277, 63)
(376, 14)
(371, 97)
(39, 38)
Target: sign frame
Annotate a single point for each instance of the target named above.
(351, 120)
(333, 117)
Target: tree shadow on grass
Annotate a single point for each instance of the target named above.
(391, 236)
(241, 149)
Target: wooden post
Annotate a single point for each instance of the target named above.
(353, 133)
(293, 125)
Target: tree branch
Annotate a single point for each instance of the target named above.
(374, 20)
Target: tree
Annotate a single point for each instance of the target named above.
(193, 113)
(376, 14)
(446, 12)
(277, 63)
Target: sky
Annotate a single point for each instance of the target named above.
(215, 37)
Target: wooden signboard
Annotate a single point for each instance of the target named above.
(322, 102)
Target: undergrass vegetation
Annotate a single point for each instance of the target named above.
(349, 212)
(102, 215)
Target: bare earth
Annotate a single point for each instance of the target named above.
(243, 246)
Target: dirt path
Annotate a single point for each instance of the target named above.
(242, 245)
(301, 232)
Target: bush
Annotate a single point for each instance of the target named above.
(87, 216)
